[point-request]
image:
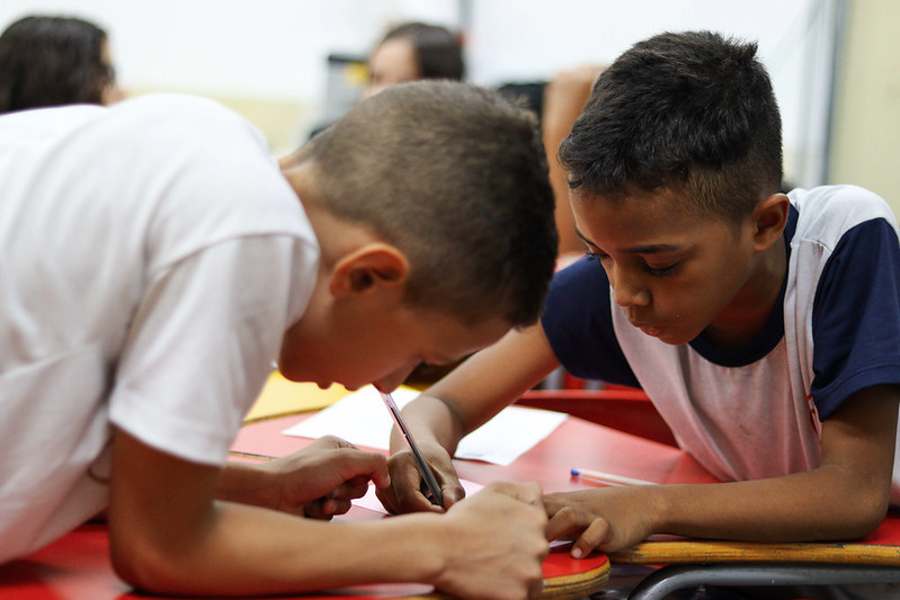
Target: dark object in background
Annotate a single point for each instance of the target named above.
(346, 78)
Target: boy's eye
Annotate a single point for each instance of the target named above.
(662, 271)
(594, 255)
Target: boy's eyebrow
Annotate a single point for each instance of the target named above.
(648, 249)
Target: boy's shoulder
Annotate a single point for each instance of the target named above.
(175, 106)
(827, 213)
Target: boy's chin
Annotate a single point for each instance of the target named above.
(673, 338)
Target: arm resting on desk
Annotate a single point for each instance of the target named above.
(169, 535)
(846, 497)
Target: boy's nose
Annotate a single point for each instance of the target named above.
(628, 292)
(390, 382)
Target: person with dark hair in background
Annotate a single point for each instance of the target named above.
(408, 52)
(412, 51)
(51, 61)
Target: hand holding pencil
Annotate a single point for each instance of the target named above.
(422, 477)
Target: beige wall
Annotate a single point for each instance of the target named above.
(285, 123)
(866, 142)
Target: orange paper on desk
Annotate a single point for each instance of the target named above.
(280, 396)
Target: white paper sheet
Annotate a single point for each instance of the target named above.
(361, 418)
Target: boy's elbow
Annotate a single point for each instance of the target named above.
(865, 512)
(139, 564)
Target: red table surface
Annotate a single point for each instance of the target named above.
(77, 567)
(575, 443)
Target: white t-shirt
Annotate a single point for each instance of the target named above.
(151, 257)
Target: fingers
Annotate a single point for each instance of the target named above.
(452, 492)
(529, 493)
(596, 534)
(590, 532)
(352, 488)
(352, 463)
(326, 508)
(407, 492)
(566, 523)
(330, 442)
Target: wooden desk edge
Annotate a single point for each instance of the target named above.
(576, 585)
(675, 552)
(562, 587)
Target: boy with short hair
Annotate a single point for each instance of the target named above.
(155, 260)
(765, 327)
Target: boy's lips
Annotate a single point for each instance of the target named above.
(648, 328)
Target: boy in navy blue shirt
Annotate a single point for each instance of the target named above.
(764, 326)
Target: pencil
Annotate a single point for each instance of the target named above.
(611, 478)
(424, 470)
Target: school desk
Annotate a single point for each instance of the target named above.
(625, 409)
(875, 559)
(77, 566)
(688, 562)
(575, 442)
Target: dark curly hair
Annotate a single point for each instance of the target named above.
(51, 61)
(693, 112)
(438, 50)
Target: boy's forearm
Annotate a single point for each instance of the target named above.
(431, 421)
(245, 483)
(249, 550)
(816, 505)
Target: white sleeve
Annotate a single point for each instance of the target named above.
(202, 342)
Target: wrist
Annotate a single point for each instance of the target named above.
(426, 536)
(255, 484)
(659, 511)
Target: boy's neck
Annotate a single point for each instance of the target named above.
(750, 309)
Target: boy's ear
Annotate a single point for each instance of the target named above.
(368, 268)
(769, 220)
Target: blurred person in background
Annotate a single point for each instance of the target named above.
(406, 52)
(412, 51)
(52, 61)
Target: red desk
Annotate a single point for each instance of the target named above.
(574, 443)
(692, 562)
(77, 566)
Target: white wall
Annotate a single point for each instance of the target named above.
(276, 49)
(867, 107)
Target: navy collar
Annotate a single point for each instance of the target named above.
(771, 333)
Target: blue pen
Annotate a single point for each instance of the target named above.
(424, 470)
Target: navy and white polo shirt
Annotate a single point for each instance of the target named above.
(757, 413)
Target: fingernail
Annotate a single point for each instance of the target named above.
(576, 552)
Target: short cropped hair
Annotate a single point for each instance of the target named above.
(52, 61)
(456, 177)
(693, 112)
(439, 52)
